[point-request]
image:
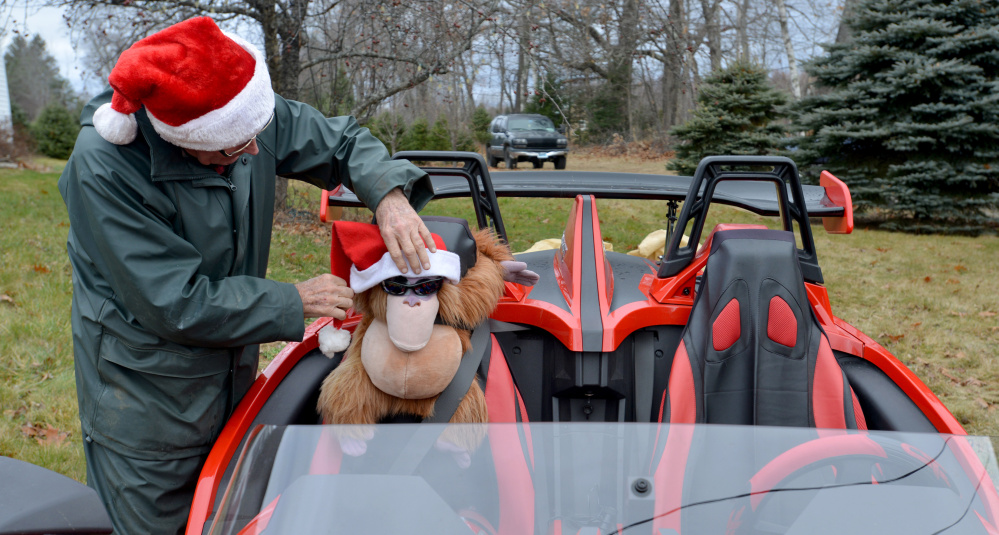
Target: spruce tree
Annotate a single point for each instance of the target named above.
(55, 131)
(736, 115)
(910, 120)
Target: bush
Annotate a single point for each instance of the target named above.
(55, 131)
(416, 137)
(737, 114)
(480, 126)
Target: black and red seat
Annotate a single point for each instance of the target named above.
(752, 351)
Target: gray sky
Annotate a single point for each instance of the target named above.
(48, 23)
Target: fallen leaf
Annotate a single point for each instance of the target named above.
(958, 355)
(987, 314)
(917, 324)
(884, 249)
(14, 413)
(953, 281)
(947, 374)
(982, 403)
(47, 435)
(958, 314)
(960, 269)
(4, 298)
(52, 436)
(927, 278)
(971, 381)
(894, 337)
(39, 268)
(46, 376)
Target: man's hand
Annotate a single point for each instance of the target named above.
(325, 296)
(405, 235)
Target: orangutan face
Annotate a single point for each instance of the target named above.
(411, 306)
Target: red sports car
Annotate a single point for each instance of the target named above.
(712, 390)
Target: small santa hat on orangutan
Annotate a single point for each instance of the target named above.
(202, 88)
(359, 256)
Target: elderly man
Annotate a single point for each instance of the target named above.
(170, 193)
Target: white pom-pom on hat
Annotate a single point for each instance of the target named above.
(114, 126)
(333, 340)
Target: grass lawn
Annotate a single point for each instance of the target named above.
(928, 299)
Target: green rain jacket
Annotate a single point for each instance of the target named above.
(169, 257)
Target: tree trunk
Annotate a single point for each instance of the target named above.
(845, 34)
(523, 63)
(742, 30)
(712, 32)
(785, 35)
(285, 66)
(673, 65)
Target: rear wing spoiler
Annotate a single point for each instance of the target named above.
(468, 171)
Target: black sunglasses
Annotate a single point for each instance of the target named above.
(422, 287)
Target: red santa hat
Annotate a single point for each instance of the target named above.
(359, 256)
(203, 89)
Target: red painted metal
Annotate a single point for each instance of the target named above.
(839, 194)
(914, 388)
(241, 419)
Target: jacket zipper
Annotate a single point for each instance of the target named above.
(231, 402)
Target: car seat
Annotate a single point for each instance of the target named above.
(752, 353)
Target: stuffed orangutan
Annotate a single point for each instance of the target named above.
(414, 329)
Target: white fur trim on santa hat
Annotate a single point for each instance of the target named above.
(333, 340)
(442, 264)
(235, 122)
(116, 127)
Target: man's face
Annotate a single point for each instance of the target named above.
(214, 157)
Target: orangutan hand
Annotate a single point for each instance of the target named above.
(517, 272)
(406, 237)
(325, 296)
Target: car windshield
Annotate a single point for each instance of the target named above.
(540, 124)
(606, 478)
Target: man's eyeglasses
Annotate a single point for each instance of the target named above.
(246, 145)
(422, 287)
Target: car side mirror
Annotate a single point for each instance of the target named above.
(561, 128)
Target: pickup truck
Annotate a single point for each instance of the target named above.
(526, 138)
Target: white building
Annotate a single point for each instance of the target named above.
(6, 120)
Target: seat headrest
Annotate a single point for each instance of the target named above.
(457, 237)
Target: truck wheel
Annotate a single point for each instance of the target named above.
(493, 161)
(538, 164)
(560, 162)
(511, 163)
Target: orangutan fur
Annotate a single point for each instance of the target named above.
(349, 397)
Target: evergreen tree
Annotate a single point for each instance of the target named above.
(737, 113)
(480, 126)
(390, 129)
(33, 77)
(440, 136)
(911, 123)
(55, 131)
(417, 136)
(552, 102)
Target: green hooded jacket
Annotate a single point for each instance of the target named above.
(169, 258)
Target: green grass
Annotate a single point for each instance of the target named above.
(930, 300)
